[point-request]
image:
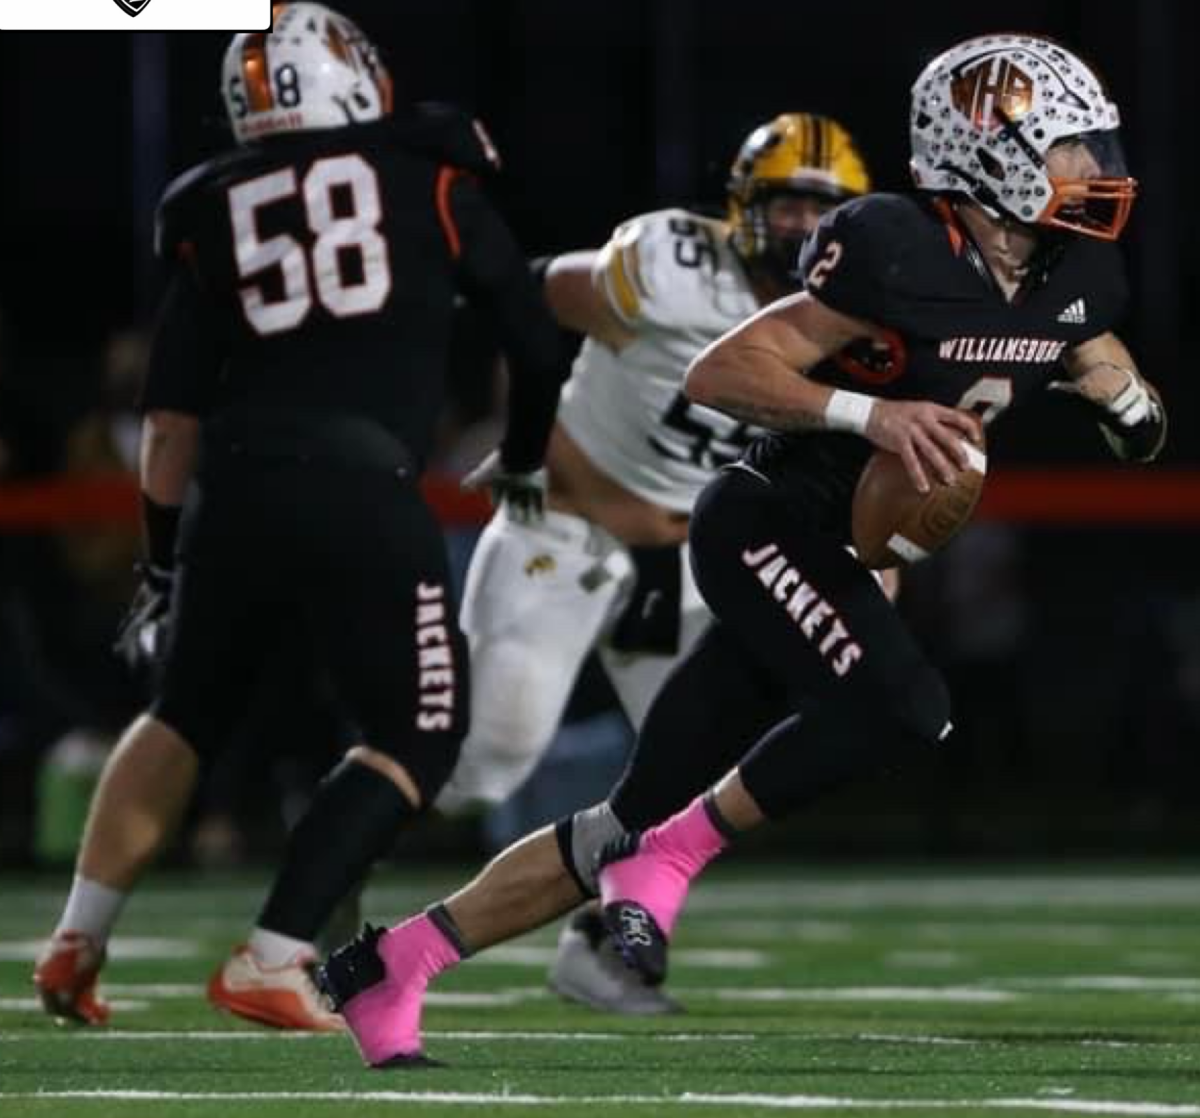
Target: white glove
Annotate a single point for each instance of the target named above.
(1132, 422)
(522, 494)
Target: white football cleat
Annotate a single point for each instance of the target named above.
(588, 970)
(283, 997)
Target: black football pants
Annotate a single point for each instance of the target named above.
(807, 680)
(346, 558)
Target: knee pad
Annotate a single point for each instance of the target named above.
(518, 700)
(581, 838)
(485, 776)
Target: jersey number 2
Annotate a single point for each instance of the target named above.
(347, 261)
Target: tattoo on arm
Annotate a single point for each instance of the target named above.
(765, 415)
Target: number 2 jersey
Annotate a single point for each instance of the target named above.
(673, 279)
(905, 264)
(319, 274)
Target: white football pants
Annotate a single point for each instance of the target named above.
(537, 600)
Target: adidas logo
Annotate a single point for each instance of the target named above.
(1075, 314)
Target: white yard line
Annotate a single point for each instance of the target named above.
(119, 947)
(522, 955)
(493, 1036)
(1133, 1109)
(1109, 983)
(958, 994)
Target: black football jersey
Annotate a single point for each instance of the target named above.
(320, 271)
(905, 264)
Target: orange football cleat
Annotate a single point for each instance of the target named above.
(283, 997)
(65, 976)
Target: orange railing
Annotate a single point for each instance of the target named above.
(1092, 497)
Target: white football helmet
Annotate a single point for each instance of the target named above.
(986, 113)
(313, 69)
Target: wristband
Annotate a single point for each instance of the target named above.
(848, 411)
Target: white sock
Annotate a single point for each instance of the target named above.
(274, 949)
(92, 909)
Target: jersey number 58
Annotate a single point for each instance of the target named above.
(346, 261)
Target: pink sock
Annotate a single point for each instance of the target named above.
(669, 856)
(386, 1019)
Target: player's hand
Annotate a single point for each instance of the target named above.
(927, 436)
(1133, 420)
(523, 494)
(142, 635)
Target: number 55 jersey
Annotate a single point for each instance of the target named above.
(674, 280)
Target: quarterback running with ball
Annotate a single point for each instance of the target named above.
(922, 314)
(606, 568)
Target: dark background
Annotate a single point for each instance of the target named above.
(1075, 654)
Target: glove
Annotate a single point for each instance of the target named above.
(142, 635)
(1133, 422)
(523, 494)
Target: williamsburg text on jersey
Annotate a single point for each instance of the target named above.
(902, 263)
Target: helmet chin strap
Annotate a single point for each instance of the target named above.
(981, 194)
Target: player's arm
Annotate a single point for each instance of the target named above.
(184, 360)
(1132, 417)
(493, 272)
(758, 373)
(578, 297)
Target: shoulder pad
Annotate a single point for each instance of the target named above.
(446, 134)
(851, 256)
(650, 270)
(174, 221)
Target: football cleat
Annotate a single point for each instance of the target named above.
(588, 970)
(65, 976)
(283, 997)
(355, 978)
(638, 939)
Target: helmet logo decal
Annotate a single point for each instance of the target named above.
(132, 7)
(255, 73)
(991, 91)
(338, 47)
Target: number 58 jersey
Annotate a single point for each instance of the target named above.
(674, 281)
(328, 263)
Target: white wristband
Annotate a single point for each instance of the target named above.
(848, 411)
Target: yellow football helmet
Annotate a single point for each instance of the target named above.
(797, 153)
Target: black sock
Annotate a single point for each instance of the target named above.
(441, 919)
(353, 820)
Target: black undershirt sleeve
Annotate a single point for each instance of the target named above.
(187, 354)
(494, 273)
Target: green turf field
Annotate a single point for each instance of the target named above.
(861, 992)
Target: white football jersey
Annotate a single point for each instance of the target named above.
(673, 279)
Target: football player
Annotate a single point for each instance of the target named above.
(295, 385)
(994, 278)
(605, 568)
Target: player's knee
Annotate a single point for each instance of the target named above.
(204, 733)
(581, 838)
(426, 759)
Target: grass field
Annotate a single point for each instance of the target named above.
(861, 992)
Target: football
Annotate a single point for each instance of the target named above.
(893, 524)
